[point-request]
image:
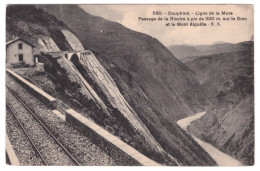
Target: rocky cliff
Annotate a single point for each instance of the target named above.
(44, 44)
(73, 41)
(105, 82)
(228, 79)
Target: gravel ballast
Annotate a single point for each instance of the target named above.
(50, 151)
(20, 143)
(79, 145)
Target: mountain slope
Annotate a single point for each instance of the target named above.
(43, 30)
(228, 79)
(141, 55)
(83, 91)
(184, 51)
(224, 48)
(213, 71)
(188, 52)
(157, 86)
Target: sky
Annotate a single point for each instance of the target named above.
(229, 31)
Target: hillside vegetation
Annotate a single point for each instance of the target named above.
(31, 23)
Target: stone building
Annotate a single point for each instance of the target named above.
(19, 51)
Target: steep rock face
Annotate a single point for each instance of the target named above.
(87, 90)
(73, 41)
(101, 77)
(228, 79)
(45, 44)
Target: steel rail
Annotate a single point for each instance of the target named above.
(28, 136)
(45, 128)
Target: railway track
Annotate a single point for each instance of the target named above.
(46, 137)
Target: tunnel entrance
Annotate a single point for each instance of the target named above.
(74, 58)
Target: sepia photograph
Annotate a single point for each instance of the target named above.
(129, 85)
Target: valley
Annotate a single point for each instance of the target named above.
(140, 92)
(227, 78)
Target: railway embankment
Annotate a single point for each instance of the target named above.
(121, 152)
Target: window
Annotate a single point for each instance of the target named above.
(20, 46)
(20, 58)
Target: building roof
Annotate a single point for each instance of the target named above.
(19, 38)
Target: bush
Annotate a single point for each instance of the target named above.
(26, 65)
(20, 65)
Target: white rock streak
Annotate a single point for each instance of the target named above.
(47, 44)
(86, 89)
(73, 41)
(110, 89)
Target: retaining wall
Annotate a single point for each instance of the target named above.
(46, 98)
(112, 145)
(10, 152)
(121, 152)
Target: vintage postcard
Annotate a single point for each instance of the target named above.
(130, 85)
